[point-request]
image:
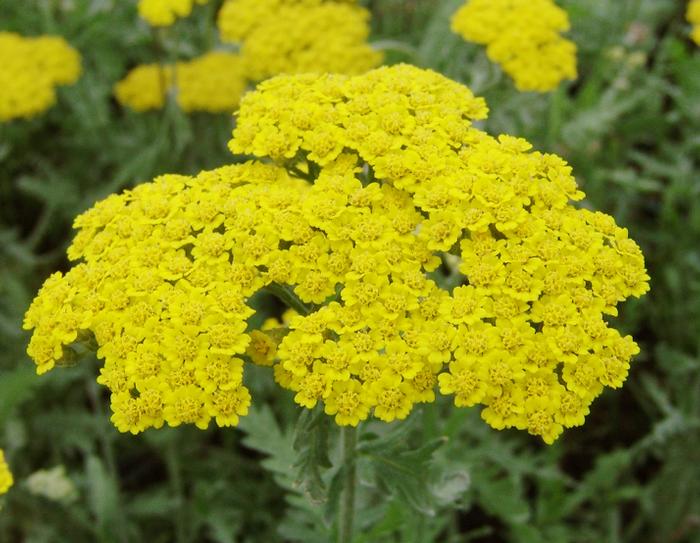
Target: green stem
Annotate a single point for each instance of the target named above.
(347, 505)
(286, 295)
(395, 45)
(40, 228)
(212, 9)
(303, 175)
(177, 487)
(555, 120)
(158, 35)
(108, 455)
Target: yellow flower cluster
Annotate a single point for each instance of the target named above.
(406, 184)
(145, 87)
(32, 69)
(366, 185)
(693, 16)
(166, 271)
(299, 36)
(166, 12)
(523, 36)
(5, 474)
(213, 82)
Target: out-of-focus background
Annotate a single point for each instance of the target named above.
(630, 127)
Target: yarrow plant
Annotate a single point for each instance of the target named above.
(32, 69)
(162, 13)
(299, 36)
(693, 16)
(213, 82)
(6, 480)
(524, 37)
(366, 191)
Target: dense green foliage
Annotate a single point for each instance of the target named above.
(630, 126)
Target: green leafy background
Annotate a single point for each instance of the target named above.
(630, 126)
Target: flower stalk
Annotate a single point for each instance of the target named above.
(288, 297)
(347, 505)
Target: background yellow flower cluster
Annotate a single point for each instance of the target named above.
(32, 69)
(213, 82)
(524, 37)
(5, 474)
(292, 36)
(694, 19)
(273, 36)
(162, 13)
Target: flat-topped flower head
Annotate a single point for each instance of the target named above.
(161, 13)
(299, 36)
(524, 37)
(406, 183)
(145, 87)
(213, 82)
(6, 480)
(363, 187)
(164, 276)
(32, 69)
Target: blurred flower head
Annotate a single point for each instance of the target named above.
(693, 16)
(32, 69)
(523, 37)
(6, 480)
(162, 13)
(213, 82)
(52, 484)
(298, 36)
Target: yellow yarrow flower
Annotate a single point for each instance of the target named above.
(363, 186)
(166, 12)
(524, 37)
(406, 182)
(162, 286)
(298, 36)
(145, 87)
(693, 16)
(32, 69)
(213, 82)
(6, 480)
